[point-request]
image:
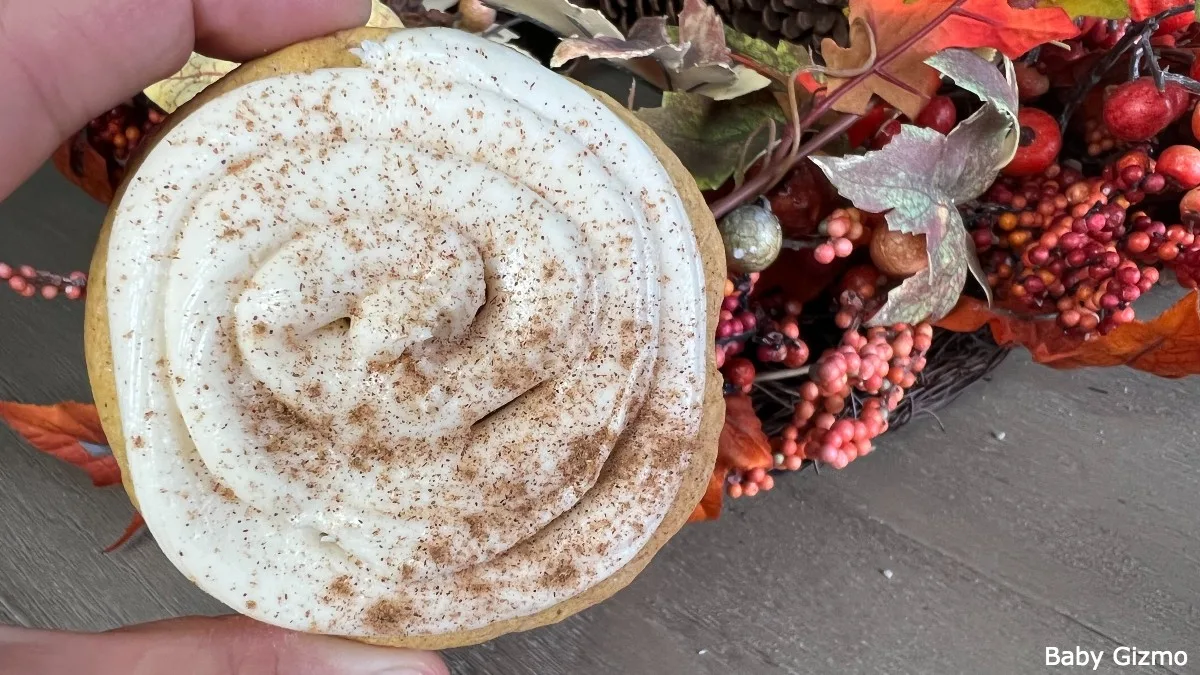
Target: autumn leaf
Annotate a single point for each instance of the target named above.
(560, 17)
(708, 136)
(918, 179)
(1104, 9)
(973, 141)
(1167, 346)
(783, 59)
(1140, 10)
(694, 56)
(647, 37)
(905, 80)
(382, 16)
(702, 28)
(742, 446)
(709, 507)
(68, 431)
(195, 76)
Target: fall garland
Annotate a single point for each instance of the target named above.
(956, 178)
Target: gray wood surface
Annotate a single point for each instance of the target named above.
(1080, 527)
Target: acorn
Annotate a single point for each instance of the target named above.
(752, 237)
(898, 254)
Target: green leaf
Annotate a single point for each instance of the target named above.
(784, 58)
(708, 136)
(1105, 9)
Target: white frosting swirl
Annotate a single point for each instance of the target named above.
(408, 348)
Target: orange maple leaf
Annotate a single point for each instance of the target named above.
(69, 431)
(743, 446)
(1167, 346)
(906, 33)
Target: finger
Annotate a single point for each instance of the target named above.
(232, 645)
(62, 62)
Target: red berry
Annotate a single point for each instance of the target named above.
(740, 372)
(17, 283)
(939, 114)
(884, 135)
(73, 292)
(1181, 163)
(868, 125)
(6, 270)
(1189, 206)
(27, 271)
(1137, 110)
(824, 254)
(1040, 141)
(1031, 83)
(796, 356)
(799, 200)
(49, 292)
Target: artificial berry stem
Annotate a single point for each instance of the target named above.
(773, 375)
(28, 282)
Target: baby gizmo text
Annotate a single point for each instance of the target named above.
(1121, 656)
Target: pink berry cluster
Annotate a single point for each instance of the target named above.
(28, 282)
(851, 390)
(844, 231)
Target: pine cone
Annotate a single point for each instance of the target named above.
(804, 22)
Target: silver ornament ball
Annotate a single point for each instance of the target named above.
(752, 238)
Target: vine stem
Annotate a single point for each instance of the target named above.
(1135, 34)
(770, 176)
(767, 178)
(781, 374)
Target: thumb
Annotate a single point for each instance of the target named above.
(231, 645)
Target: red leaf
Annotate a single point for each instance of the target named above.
(1140, 10)
(69, 431)
(1167, 346)
(742, 446)
(132, 529)
(996, 24)
(906, 81)
(709, 507)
